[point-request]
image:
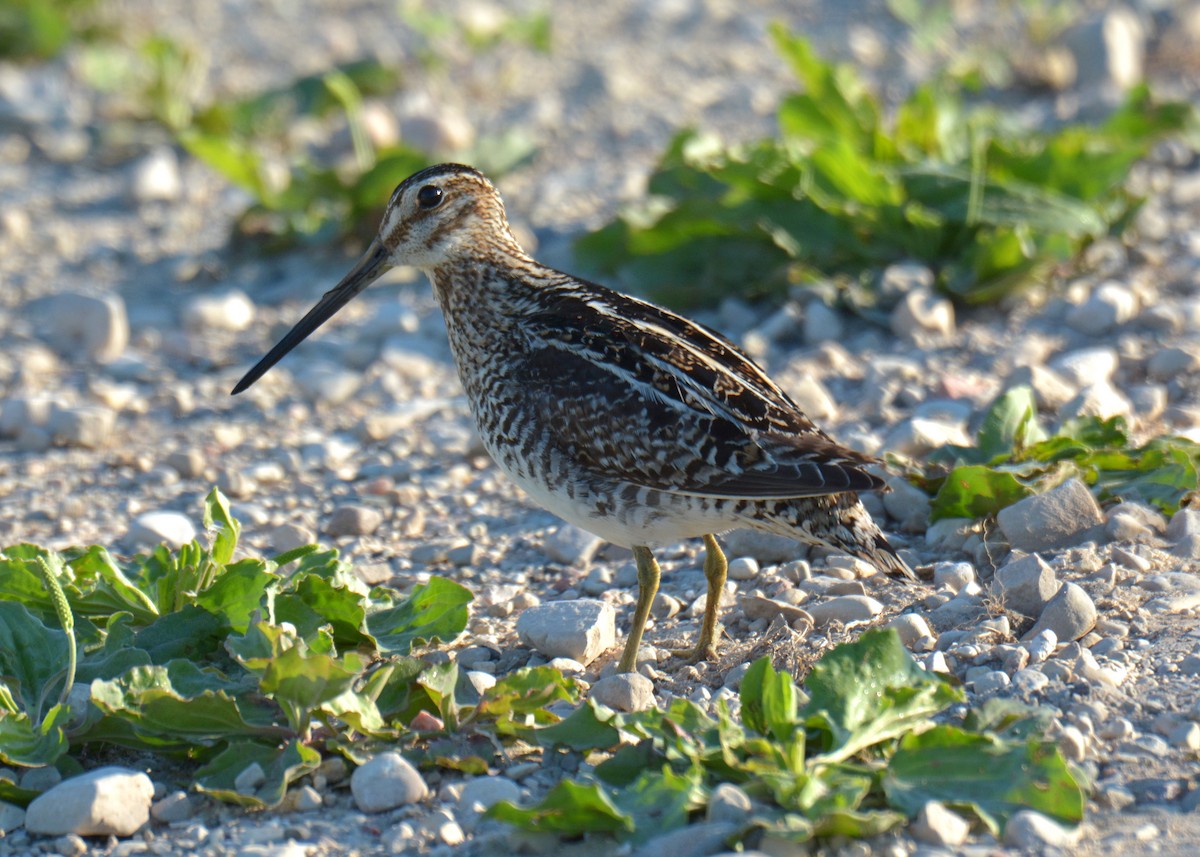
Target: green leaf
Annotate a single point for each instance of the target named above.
(991, 777)
(1010, 424)
(217, 514)
(869, 691)
(769, 703)
(300, 681)
(570, 808)
(589, 727)
(976, 491)
(32, 745)
(280, 766)
(660, 801)
(436, 610)
(33, 658)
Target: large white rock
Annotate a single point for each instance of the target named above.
(153, 528)
(581, 630)
(386, 782)
(107, 801)
(77, 325)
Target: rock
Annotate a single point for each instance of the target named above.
(939, 826)
(353, 520)
(82, 326)
(760, 607)
(1061, 517)
(918, 436)
(581, 630)
(189, 463)
(949, 534)
(571, 545)
(327, 382)
(177, 806)
(1086, 365)
(900, 278)
(11, 817)
(845, 609)
(481, 794)
(156, 176)
(1169, 363)
(624, 692)
(730, 803)
(1041, 645)
(89, 426)
(691, 840)
(1026, 585)
(1184, 523)
(922, 314)
(386, 782)
(154, 528)
(954, 576)
(1109, 305)
(821, 323)
(1032, 831)
(911, 627)
(108, 801)
(1070, 614)
(767, 548)
(232, 311)
(249, 779)
(813, 399)
(743, 568)
(960, 611)
(288, 536)
(445, 131)
(1101, 400)
(907, 504)
(990, 682)
(1109, 49)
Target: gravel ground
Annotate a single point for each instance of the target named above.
(125, 318)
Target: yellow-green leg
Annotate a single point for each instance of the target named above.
(648, 575)
(715, 569)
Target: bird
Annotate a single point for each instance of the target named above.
(615, 414)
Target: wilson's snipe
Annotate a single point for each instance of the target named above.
(615, 414)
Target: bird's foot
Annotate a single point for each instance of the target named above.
(701, 652)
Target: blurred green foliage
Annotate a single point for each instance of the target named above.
(842, 192)
(39, 29)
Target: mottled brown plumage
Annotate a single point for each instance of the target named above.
(617, 415)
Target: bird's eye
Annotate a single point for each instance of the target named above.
(429, 196)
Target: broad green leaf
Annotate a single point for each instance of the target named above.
(976, 491)
(1010, 425)
(300, 681)
(436, 610)
(660, 801)
(991, 777)
(525, 694)
(280, 766)
(586, 728)
(33, 659)
(570, 808)
(192, 633)
(217, 514)
(237, 593)
(870, 691)
(32, 745)
(769, 704)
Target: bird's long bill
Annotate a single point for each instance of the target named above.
(368, 269)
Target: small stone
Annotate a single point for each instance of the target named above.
(760, 607)
(232, 311)
(908, 505)
(845, 609)
(1069, 614)
(108, 801)
(77, 325)
(767, 548)
(953, 575)
(1101, 400)
(288, 536)
(89, 427)
(327, 382)
(249, 779)
(960, 611)
(571, 545)
(307, 799)
(624, 692)
(1029, 681)
(177, 806)
(188, 463)
(1041, 645)
(1186, 736)
(743, 568)
(1051, 390)
(353, 520)
(940, 826)
(911, 627)
(991, 682)
(11, 817)
(581, 630)
(154, 528)
(922, 314)
(1166, 364)
(1032, 831)
(481, 793)
(691, 840)
(1086, 365)
(1109, 48)
(1060, 517)
(386, 782)
(1184, 523)
(821, 324)
(949, 534)
(729, 803)
(156, 176)
(1026, 585)
(918, 436)
(1109, 305)
(813, 399)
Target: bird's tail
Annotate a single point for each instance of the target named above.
(836, 521)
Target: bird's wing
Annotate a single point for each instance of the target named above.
(637, 393)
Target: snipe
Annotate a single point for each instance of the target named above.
(617, 415)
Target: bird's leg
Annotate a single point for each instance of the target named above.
(648, 574)
(715, 568)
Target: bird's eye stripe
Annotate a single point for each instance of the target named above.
(429, 196)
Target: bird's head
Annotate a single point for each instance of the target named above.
(443, 215)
